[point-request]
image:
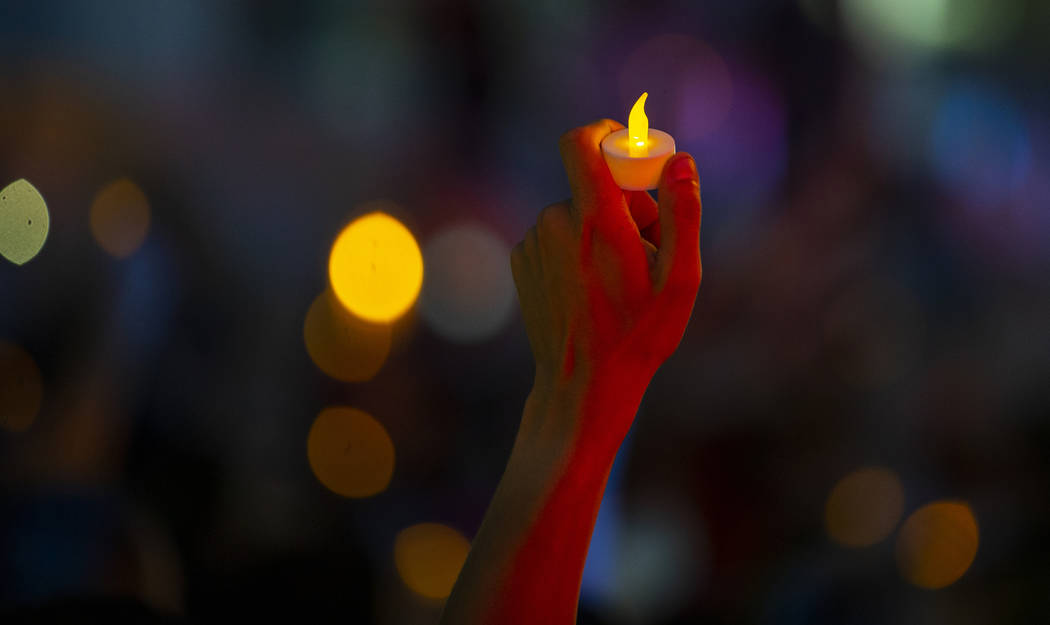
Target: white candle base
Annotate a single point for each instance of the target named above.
(637, 173)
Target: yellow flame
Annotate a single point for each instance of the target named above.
(638, 128)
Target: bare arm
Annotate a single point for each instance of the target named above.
(606, 284)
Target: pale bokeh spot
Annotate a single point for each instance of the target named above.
(350, 452)
(864, 507)
(937, 544)
(376, 268)
(428, 557)
(120, 218)
(899, 31)
(341, 345)
(661, 560)
(21, 388)
(24, 222)
(469, 292)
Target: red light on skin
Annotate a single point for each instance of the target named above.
(545, 572)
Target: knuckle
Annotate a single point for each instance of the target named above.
(571, 139)
(552, 218)
(584, 136)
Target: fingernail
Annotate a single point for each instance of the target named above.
(683, 168)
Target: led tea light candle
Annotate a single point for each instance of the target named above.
(636, 154)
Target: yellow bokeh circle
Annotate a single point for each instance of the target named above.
(864, 507)
(24, 222)
(341, 345)
(376, 268)
(21, 388)
(120, 217)
(937, 544)
(350, 452)
(428, 557)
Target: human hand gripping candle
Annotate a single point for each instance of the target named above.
(636, 154)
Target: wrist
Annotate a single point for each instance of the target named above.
(620, 380)
(581, 419)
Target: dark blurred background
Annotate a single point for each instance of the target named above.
(860, 403)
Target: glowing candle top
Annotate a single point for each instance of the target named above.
(636, 154)
(638, 128)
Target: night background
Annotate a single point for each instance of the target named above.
(861, 400)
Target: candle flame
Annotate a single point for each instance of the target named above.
(638, 128)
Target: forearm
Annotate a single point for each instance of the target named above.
(527, 559)
(606, 284)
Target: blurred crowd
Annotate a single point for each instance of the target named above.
(854, 429)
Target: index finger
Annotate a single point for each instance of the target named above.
(589, 178)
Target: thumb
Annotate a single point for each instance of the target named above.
(678, 260)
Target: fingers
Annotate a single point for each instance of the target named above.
(645, 214)
(592, 185)
(643, 208)
(598, 201)
(678, 259)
